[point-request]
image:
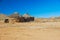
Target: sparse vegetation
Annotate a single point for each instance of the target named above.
(39, 29)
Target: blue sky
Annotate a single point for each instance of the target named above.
(36, 8)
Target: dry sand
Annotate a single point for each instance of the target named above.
(30, 31)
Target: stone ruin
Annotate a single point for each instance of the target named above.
(18, 18)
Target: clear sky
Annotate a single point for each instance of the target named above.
(36, 8)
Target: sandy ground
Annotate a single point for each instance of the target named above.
(30, 31)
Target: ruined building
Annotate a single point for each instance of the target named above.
(20, 18)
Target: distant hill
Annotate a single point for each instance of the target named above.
(2, 16)
(52, 19)
(16, 15)
(55, 17)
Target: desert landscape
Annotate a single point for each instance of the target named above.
(39, 29)
(30, 31)
(29, 19)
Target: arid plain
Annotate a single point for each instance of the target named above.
(30, 31)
